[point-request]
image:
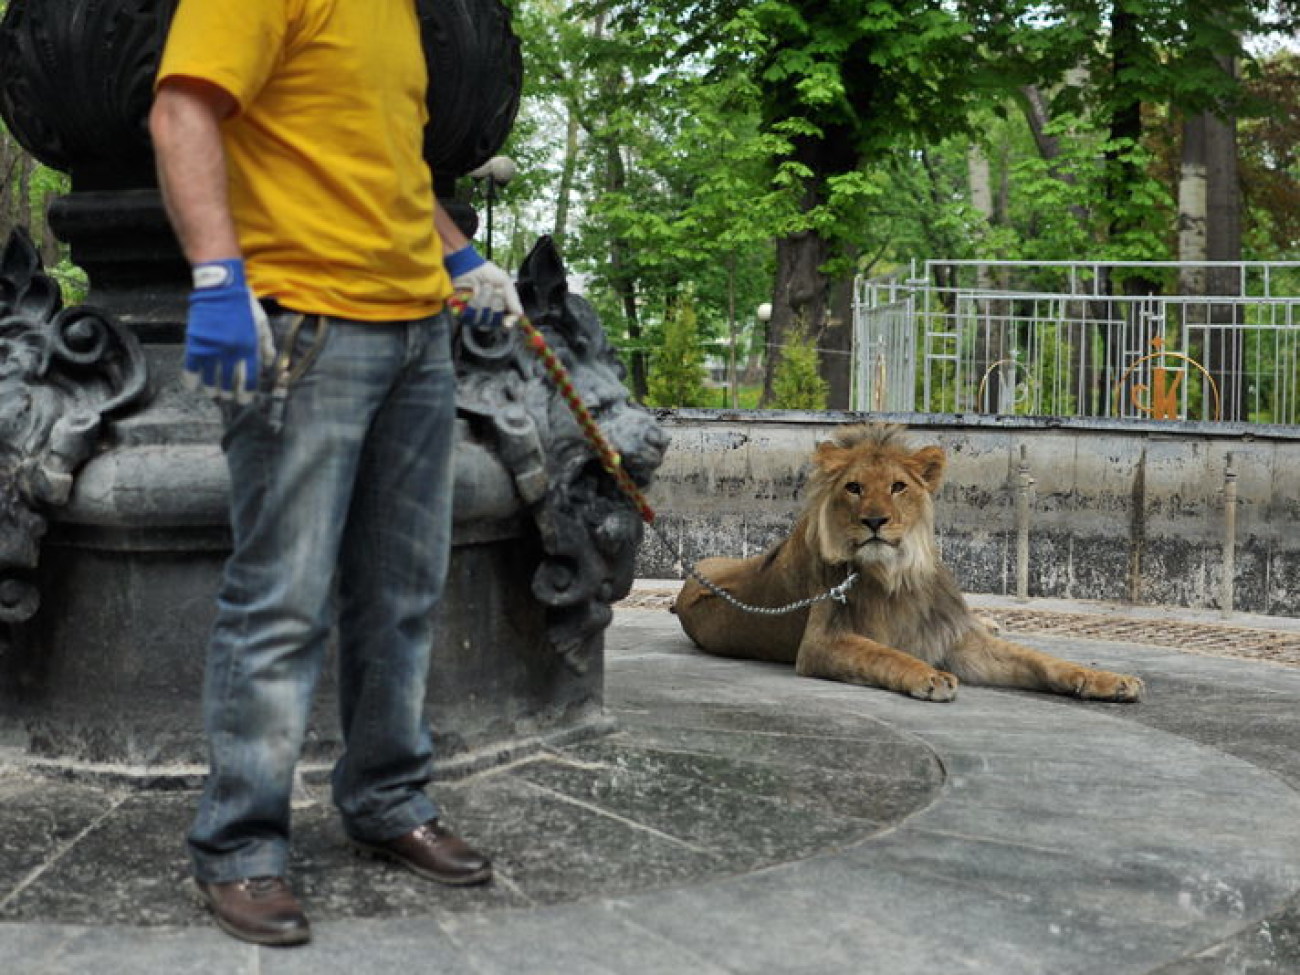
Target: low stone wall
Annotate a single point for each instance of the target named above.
(1118, 510)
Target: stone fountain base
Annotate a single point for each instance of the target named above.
(106, 678)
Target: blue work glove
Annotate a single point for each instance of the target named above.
(226, 334)
(490, 293)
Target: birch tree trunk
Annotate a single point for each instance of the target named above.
(1192, 200)
(1225, 343)
(564, 194)
(988, 340)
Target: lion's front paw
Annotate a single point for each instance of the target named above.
(934, 686)
(1102, 685)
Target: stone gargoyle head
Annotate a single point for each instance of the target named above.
(589, 529)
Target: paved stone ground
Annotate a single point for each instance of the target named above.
(1243, 636)
(742, 819)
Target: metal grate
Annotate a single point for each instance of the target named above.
(1213, 639)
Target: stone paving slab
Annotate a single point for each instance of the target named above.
(743, 819)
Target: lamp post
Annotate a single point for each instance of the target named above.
(497, 171)
(764, 315)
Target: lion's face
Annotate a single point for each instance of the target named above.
(874, 504)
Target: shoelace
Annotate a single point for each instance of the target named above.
(260, 888)
(431, 831)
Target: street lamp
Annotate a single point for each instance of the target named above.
(763, 314)
(497, 171)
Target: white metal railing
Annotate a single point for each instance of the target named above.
(1072, 338)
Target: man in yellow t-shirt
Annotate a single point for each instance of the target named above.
(289, 136)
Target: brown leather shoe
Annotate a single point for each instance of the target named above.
(262, 910)
(434, 852)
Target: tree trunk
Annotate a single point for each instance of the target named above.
(621, 279)
(568, 168)
(23, 205)
(990, 339)
(799, 302)
(980, 180)
(835, 346)
(1122, 172)
(1225, 345)
(1038, 116)
(8, 172)
(1192, 200)
(801, 294)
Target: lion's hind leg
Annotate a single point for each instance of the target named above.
(982, 658)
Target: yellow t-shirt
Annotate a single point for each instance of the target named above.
(328, 184)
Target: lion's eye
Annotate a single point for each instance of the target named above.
(898, 487)
(853, 487)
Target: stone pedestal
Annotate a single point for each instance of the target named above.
(107, 676)
(118, 691)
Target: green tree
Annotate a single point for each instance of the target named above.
(831, 85)
(742, 150)
(847, 85)
(659, 187)
(797, 384)
(677, 372)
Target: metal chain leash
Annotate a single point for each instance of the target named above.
(838, 593)
(612, 463)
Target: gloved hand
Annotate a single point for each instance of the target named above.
(226, 333)
(493, 298)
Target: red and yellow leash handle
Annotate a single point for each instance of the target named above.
(609, 457)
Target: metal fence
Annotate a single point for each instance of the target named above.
(1070, 338)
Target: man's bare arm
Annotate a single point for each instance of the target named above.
(452, 237)
(185, 124)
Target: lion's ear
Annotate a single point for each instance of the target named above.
(929, 463)
(831, 458)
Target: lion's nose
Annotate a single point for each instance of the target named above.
(875, 523)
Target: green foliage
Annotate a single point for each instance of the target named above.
(72, 281)
(710, 129)
(26, 189)
(797, 384)
(1052, 378)
(677, 371)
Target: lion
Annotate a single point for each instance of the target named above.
(904, 624)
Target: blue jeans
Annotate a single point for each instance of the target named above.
(342, 515)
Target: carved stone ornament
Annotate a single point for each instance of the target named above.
(476, 76)
(77, 85)
(78, 81)
(589, 529)
(61, 371)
